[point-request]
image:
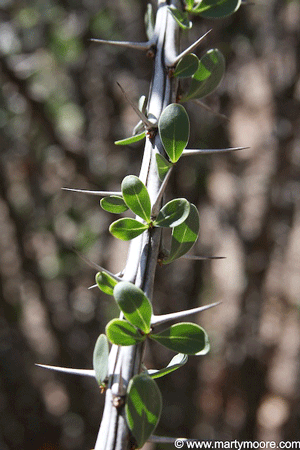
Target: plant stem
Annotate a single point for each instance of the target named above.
(143, 252)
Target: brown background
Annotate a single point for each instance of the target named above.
(60, 113)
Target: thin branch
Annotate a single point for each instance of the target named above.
(192, 152)
(156, 205)
(209, 109)
(190, 48)
(136, 45)
(149, 125)
(98, 193)
(163, 318)
(81, 372)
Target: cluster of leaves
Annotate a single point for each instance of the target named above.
(205, 74)
(209, 9)
(178, 214)
(143, 399)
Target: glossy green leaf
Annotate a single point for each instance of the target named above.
(149, 21)
(121, 332)
(208, 76)
(173, 213)
(136, 197)
(181, 18)
(187, 66)
(216, 9)
(105, 282)
(100, 359)
(131, 139)
(134, 304)
(184, 337)
(175, 363)
(184, 235)
(174, 130)
(143, 407)
(163, 166)
(113, 204)
(127, 229)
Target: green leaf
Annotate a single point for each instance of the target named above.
(149, 21)
(208, 76)
(176, 362)
(187, 66)
(143, 407)
(113, 204)
(105, 282)
(181, 18)
(174, 130)
(136, 197)
(127, 229)
(184, 236)
(100, 359)
(173, 213)
(184, 337)
(189, 4)
(216, 9)
(121, 332)
(163, 166)
(131, 139)
(134, 304)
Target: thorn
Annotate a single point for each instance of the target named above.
(190, 48)
(200, 258)
(157, 320)
(191, 152)
(92, 287)
(136, 45)
(149, 125)
(96, 266)
(98, 193)
(156, 205)
(82, 372)
(165, 440)
(209, 109)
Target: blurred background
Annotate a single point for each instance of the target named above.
(60, 113)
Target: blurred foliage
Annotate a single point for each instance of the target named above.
(60, 112)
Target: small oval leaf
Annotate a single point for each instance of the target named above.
(105, 283)
(187, 66)
(217, 9)
(208, 76)
(173, 213)
(175, 363)
(136, 197)
(143, 407)
(132, 139)
(174, 130)
(181, 18)
(113, 204)
(185, 337)
(121, 332)
(163, 166)
(184, 236)
(127, 229)
(134, 304)
(100, 359)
